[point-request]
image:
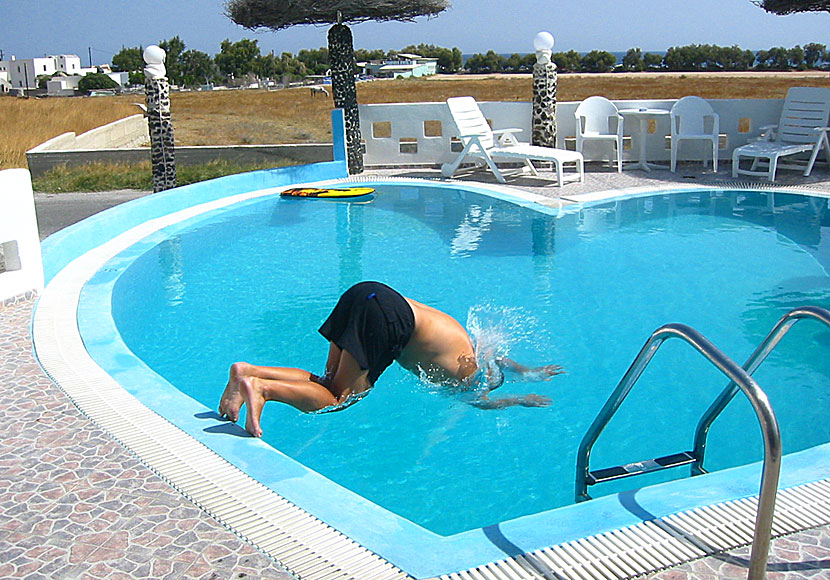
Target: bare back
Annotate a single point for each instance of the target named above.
(439, 346)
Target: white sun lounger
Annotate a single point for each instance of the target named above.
(479, 142)
(803, 127)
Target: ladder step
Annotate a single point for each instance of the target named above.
(640, 467)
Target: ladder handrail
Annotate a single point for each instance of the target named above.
(750, 366)
(757, 398)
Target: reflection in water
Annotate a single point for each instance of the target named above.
(800, 220)
(349, 243)
(469, 232)
(543, 245)
(172, 270)
(798, 217)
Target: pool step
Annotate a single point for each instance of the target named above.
(641, 467)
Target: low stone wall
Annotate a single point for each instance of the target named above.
(128, 132)
(41, 161)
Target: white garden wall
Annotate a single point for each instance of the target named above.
(21, 268)
(424, 134)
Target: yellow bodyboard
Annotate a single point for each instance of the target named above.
(329, 193)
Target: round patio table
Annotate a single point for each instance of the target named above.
(643, 114)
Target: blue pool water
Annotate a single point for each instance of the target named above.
(254, 281)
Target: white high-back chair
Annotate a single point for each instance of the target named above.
(597, 119)
(693, 119)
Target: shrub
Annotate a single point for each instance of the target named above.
(94, 81)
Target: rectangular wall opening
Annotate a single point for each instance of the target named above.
(382, 129)
(433, 129)
(9, 257)
(408, 145)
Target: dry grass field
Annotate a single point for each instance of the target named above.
(294, 116)
(26, 123)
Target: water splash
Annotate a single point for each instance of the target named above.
(496, 330)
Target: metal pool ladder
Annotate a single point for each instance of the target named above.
(740, 378)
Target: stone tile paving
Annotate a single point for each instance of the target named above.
(793, 557)
(601, 178)
(75, 504)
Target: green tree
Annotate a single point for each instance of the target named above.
(267, 66)
(363, 55)
(42, 80)
(285, 66)
(130, 60)
(475, 63)
(457, 62)
(174, 48)
(776, 58)
(316, 61)
(598, 61)
(486, 63)
(291, 68)
(653, 61)
(710, 57)
(796, 57)
(692, 57)
(237, 59)
(515, 64)
(567, 61)
(197, 68)
(633, 60)
(95, 81)
(734, 58)
(814, 53)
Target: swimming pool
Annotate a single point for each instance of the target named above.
(491, 251)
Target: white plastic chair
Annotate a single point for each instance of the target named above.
(597, 119)
(803, 127)
(480, 142)
(689, 123)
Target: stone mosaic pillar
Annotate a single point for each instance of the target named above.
(344, 92)
(159, 122)
(544, 92)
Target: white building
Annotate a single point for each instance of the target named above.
(23, 73)
(62, 86)
(404, 66)
(67, 85)
(5, 84)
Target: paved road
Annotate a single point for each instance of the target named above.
(55, 211)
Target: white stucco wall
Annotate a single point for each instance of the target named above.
(424, 133)
(19, 237)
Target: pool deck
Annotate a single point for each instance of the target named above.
(75, 504)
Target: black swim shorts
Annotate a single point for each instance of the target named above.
(373, 323)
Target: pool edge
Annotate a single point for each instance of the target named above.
(90, 385)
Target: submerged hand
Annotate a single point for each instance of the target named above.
(532, 400)
(544, 373)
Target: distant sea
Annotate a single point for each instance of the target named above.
(618, 55)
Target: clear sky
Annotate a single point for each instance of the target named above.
(35, 28)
